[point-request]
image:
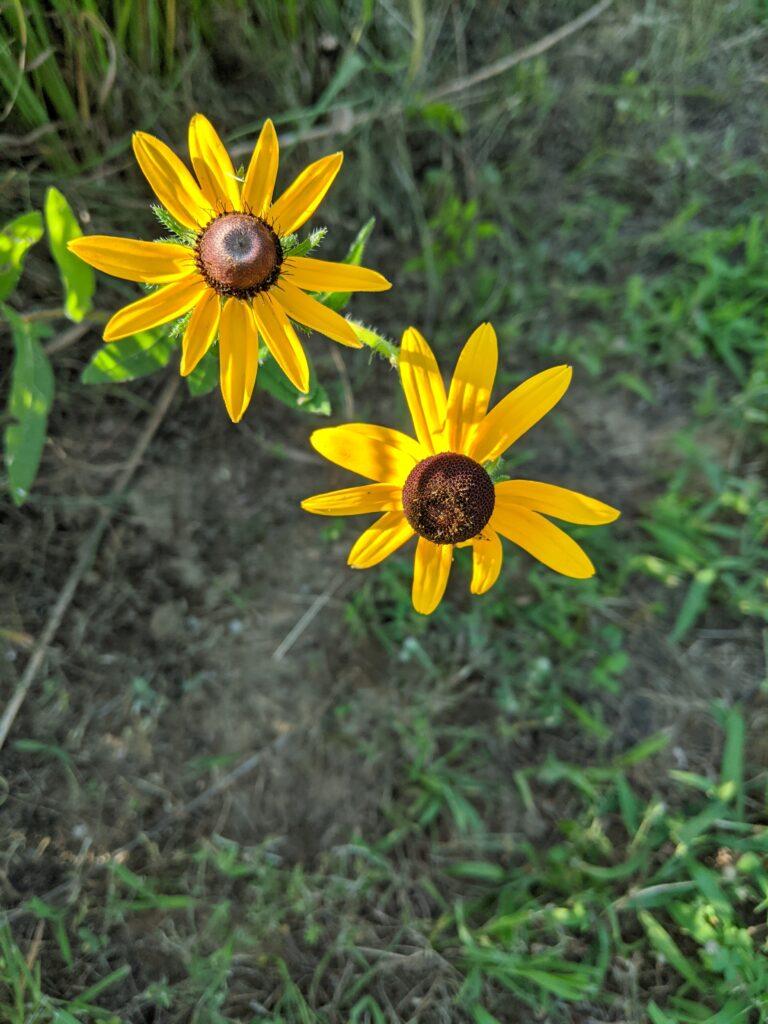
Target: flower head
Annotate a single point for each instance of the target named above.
(436, 486)
(232, 274)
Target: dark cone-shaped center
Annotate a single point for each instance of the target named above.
(448, 498)
(239, 254)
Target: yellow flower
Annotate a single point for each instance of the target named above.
(435, 485)
(234, 277)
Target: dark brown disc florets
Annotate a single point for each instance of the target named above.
(448, 498)
(238, 255)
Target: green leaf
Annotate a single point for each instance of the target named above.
(338, 300)
(635, 383)
(62, 1016)
(732, 768)
(480, 870)
(482, 1016)
(76, 276)
(179, 232)
(15, 238)
(205, 375)
(28, 404)
(643, 750)
(694, 604)
(443, 116)
(664, 944)
(129, 358)
(379, 343)
(272, 379)
(658, 1016)
(291, 245)
(589, 722)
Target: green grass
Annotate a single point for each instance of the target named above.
(551, 803)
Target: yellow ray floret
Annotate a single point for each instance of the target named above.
(434, 486)
(232, 276)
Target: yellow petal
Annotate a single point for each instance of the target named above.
(542, 539)
(165, 304)
(313, 314)
(550, 500)
(471, 387)
(377, 453)
(171, 182)
(281, 340)
(238, 357)
(380, 540)
(424, 390)
(200, 332)
(323, 276)
(353, 501)
(431, 569)
(213, 166)
(512, 416)
(300, 200)
(262, 171)
(150, 262)
(486, 560)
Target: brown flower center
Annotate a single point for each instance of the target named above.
(448, 498)
(239, 255)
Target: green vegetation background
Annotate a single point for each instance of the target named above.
(547, 804)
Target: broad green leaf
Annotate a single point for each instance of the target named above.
(205, 375)
(272, 379)
(28, 405)
(129, 358)
(338, 300)
(15, 238)
(76, 276)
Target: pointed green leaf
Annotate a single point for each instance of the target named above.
(658, 1016)
(666, 946)
(130, 358)
(15, 238)
(379, 343)
(76, 276)
(732, 769)
(28, 405)
(643, 750)
(694, 604)
(482, 1016)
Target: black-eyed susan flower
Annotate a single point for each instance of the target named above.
(436, 486)
(233, 275)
